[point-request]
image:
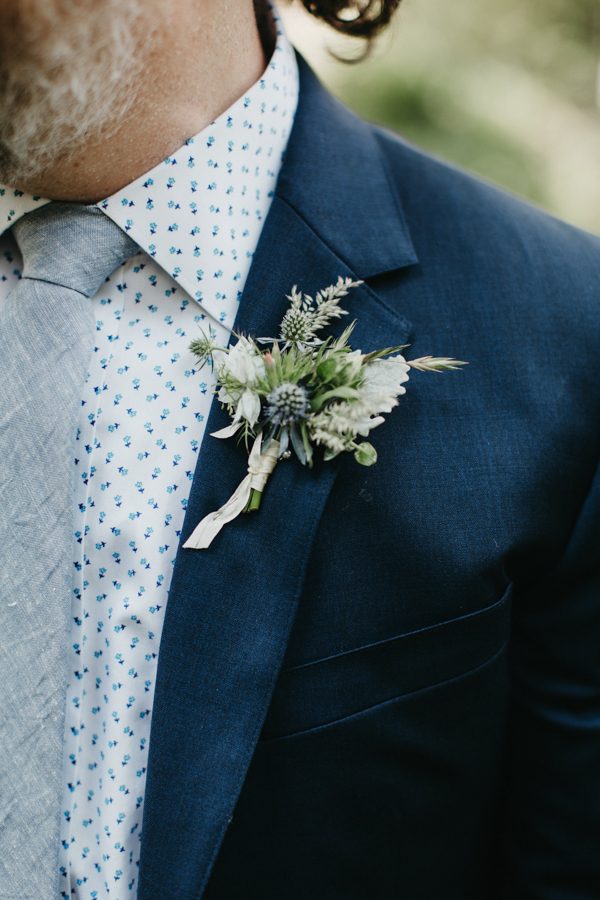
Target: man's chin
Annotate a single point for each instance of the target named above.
(30, 156)
(74, 81)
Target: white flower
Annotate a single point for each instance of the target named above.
(244, 365)
(329, 439)
(248, 407)
(337, 426)
(229, 431)
(343, 421)
(382, 384)
(228, 398)
(243, 362)
(363, 422)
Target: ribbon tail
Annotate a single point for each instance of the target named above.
(208, 528)
(260, 467)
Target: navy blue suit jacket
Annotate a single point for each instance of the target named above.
(387, 683)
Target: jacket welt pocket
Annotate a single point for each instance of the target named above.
(322, 692)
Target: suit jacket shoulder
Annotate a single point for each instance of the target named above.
(528, 263)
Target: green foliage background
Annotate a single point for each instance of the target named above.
(509, 89)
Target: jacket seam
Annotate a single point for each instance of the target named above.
(397, 699)
(407, 634)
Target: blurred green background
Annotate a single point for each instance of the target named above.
(509, 89)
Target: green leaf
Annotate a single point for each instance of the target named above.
(341, 393)
(365, 454)
(298, 445)
(344, 337)
(327, 369)
(385, 351)
(307, 445)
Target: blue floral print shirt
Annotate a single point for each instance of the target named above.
(197, 218)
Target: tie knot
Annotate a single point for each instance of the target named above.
(71, 245)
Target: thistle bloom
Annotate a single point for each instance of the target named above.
(286, 404)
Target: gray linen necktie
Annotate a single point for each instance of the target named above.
(46, 338)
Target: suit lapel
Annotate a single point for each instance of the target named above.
(231, 607)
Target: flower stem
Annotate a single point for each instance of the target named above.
(253, 501)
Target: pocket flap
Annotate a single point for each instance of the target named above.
(321, 692)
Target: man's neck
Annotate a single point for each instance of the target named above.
(205, 56)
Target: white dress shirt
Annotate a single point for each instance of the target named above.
(197, 218)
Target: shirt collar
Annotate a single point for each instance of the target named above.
(14, 204)
(171, 184)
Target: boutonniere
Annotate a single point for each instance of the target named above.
(298, 392)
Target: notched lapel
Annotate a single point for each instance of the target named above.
(231, 607)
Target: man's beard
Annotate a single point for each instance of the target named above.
(67, 74)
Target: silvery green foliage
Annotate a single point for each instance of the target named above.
(338, 425)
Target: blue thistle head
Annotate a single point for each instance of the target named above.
(287, 403)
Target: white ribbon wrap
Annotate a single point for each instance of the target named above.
(260, 466)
